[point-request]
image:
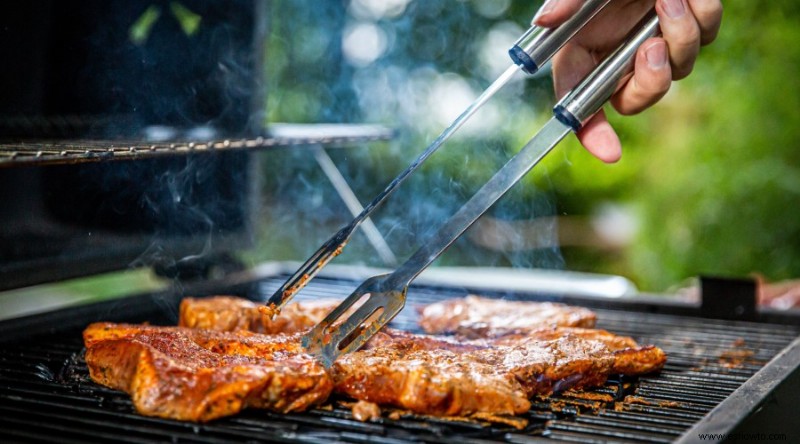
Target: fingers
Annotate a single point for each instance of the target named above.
(600, 139)
(682, 33)
(685, 26)
(709, 16)
(570, 65)
(556, 12)
(652, 77)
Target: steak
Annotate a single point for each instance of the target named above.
(203, 373)
(230, 313)
(447, 376)
(479, 317)
(200, 375)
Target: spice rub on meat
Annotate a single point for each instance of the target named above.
(230, 313)
(479, 317)
(199, 375)
(445, 376)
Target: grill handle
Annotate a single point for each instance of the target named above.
(586, 99)
(539, 44)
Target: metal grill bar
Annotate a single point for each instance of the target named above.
(45, 390)
(80, 151)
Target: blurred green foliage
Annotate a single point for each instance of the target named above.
(718, 180)
(710, 174)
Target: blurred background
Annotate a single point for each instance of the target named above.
(708, 183)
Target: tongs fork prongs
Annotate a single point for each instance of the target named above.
(335, 335)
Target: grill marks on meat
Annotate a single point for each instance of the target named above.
(445, 376)
(478, 317)
(229, 313)
(199, 375)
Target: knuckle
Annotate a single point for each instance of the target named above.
(682, 71)
(641, 94)
(635, 103)
(707, 11)
(627, 109)
(708, 37)
(708, 14)
(688, 36)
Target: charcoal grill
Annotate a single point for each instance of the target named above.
(719, 374)
(59, 133)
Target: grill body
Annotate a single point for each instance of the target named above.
(45, 391)
(180, 112)
(86, 80)
(127, 132)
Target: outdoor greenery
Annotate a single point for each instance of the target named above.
(708, 183)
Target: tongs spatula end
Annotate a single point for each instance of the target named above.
(345, 330)
(329, 250)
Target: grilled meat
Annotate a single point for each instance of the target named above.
(229, 313)
(445, 376)
(366, 411)
(199, 375)
(478, 317)
(410, 373)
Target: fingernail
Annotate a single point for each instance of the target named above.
(656, 55)
(673, 8)
(547, 8)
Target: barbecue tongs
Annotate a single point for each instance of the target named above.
(532, 50)
(384, 296)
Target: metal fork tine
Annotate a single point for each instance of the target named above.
(354, 297)
(329, 340)
(391, 303)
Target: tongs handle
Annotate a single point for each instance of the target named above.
(538, 44)
(586, 99)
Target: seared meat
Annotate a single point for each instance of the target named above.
(438, 382)
(366, 411)
(629, 357)
(229, 313)
(478, 317)
(199, 375)
(444, 376)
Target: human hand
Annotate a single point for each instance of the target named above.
(781, 295)
(685, 26)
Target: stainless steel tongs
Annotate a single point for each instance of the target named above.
(384, 296)
(532, 50)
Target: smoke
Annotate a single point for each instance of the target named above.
(184, 205)
(413, 66)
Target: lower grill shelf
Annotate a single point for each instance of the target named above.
(46, 394)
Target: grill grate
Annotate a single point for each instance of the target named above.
(86, 150)
(45, 391)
